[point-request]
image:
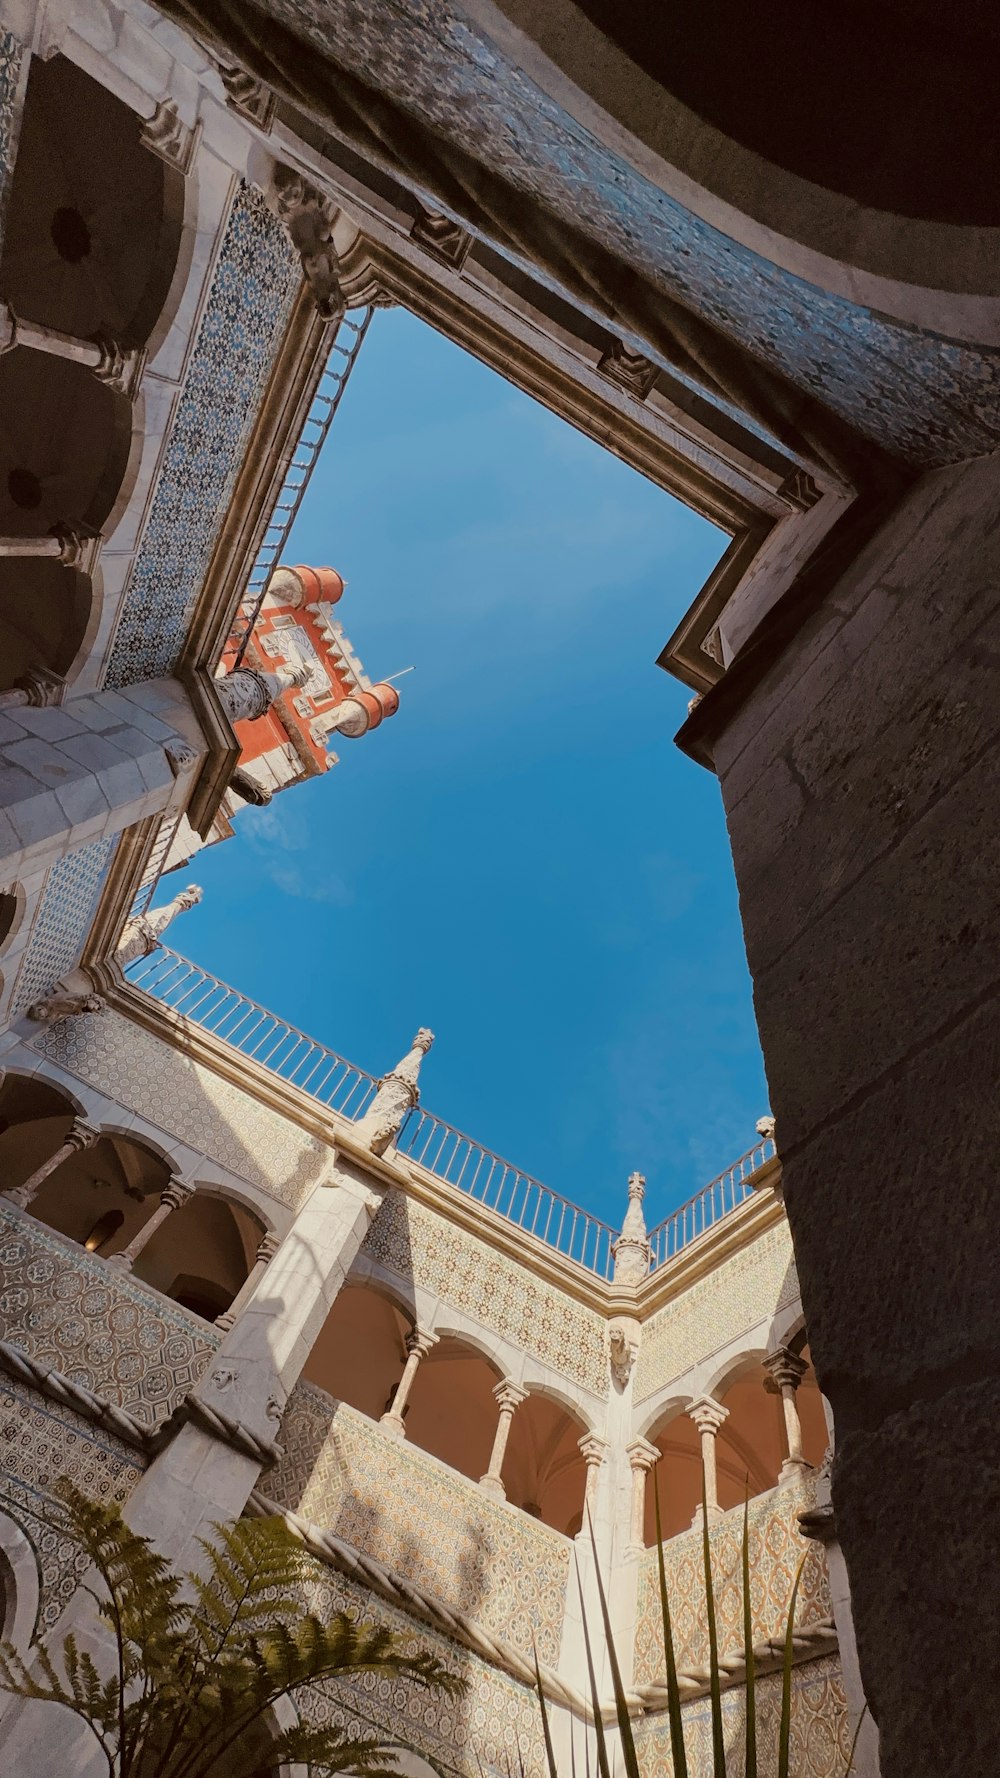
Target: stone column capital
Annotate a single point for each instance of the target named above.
(267, 1249)
(785, 1370)
(176, 1193)
(707, 1414)
(509, 1396)
(593, 1449)
(81, 1135)
(419, 1342)
(642, 1455)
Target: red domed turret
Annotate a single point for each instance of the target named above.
(306, 586)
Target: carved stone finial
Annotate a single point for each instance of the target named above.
(246, 693)
(398, 1092)
(64, 1006)
(765, 1128)
(632, 1252)
(144, 933)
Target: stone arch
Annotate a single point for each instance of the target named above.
(452, 1412)
(359, 1352)
(544, 1471)
(19, 1585)
(201, 1256)
(13, 902)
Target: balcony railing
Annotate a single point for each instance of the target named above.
(447, 1153)
(710, 1205)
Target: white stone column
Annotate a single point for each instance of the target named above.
(175, 1194)
(118, 366)
(145, 932)
(708, 1415)
(265, 1253)
(593, 1450)
(641, 1455)
(65, 543)
(418, 1344)
(785, 1373)
(79, 1137)
(508, 1398)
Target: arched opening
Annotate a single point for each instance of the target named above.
(750, 1446)
(65, 442)
(11, 909)
(202, 1254)
(452, 1411)
(93, 224)
(543, 1471)
(46, 613)
(104, 1196)
(358, 1355)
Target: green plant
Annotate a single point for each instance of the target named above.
(678, 1750)
(201, 1660)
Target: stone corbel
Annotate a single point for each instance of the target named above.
(448, 241)
(166, 135)
(629, 370)
(624, 1335)
(309, 217)
(247, 96)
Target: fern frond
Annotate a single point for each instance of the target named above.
(326, 1750)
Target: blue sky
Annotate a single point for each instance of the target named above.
(520, 858)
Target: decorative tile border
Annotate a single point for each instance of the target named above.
(95, 1324)
(256, 280)
(420, 1246)
(13, 80)
(136, 1068)
(776, 1547)
(505, 1570)
(38, 1445)
(749, 1287)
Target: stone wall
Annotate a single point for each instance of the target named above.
(820, 1741)
(188, 1101)
(95, 1324)
(776, 1547)
(423, 1249)
(746, 1289)
(504, 1569)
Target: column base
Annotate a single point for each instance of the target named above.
(493, 1486)
(121, 1260)
(794, 1469)
(393, 1424)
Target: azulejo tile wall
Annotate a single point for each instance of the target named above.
(746, 1289)
(495, 1728)
(820, 1731)
(141, 1070)
(416, 1244)
(38, 1445)
(95, 1324)
(503, 1569)
(776, 1547)
(63, 920)
(255, 282)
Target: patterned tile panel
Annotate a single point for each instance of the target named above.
(820, 1733)
(96, 1325)
(776, 1547)
(256, 279)
(505, 1570)
(416, 1244)
(917, 393)
(744, 1290)
(13, 75)
(63, 920)
(39, 1444)
(494, 1729)
(140, 1070)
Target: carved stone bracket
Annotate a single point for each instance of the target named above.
(247, 95)
(166, 135)
(800, 491)
(309, 216)
(623, 1348)
(448, 241)
(631, 371)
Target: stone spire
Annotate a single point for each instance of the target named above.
(398, 1092)
(144, 933)
(632, 1252)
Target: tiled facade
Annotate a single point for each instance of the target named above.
(63, 920)
(740, 1293)
(256, 279)
(38, 1445)
(503, 1569)
(495, 1728)
(135, 1068)
(421, 1247)
(820, 1738)
(95, 1325)
(776, 1547)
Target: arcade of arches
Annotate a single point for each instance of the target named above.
(114, 1196)
(750, 1438)
(454, 1400)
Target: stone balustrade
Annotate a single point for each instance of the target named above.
(776, 1546)
(95, 1324)
(422, 1519)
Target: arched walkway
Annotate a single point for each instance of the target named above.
(359, 1353)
